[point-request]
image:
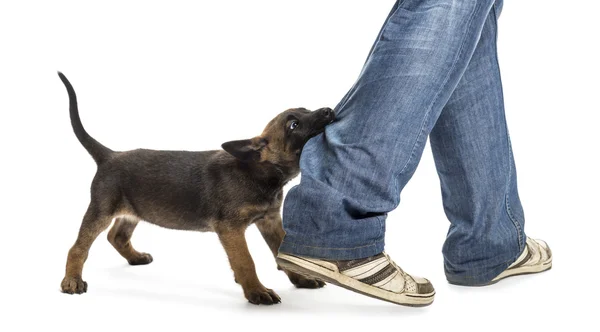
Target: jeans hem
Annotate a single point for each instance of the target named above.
(475, 280)
(357, 252)
(479, 278)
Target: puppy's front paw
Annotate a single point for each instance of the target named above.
(71, 285)
(301, 281)
(262, 296)
(141, 259)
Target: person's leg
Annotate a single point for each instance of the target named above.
(472, 153)
(352, 175)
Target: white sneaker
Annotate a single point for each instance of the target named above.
(376, 276)
(536, 258)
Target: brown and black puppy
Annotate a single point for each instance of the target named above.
(219, 191)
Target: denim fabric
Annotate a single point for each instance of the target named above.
(432, 71)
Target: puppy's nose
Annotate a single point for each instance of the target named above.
(327, 112)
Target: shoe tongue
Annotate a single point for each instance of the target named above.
(348, 264)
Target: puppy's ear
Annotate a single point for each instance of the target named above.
(245, 150)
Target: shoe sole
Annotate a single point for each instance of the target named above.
(523, 270)
(312, 270)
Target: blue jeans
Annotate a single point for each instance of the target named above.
(432, 71)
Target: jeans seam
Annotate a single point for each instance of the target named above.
(509, 212)
(381, 234)
(512, 217)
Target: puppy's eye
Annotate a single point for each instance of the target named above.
(293, 125)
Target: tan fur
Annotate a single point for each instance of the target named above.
(234, 242)
(120, 237)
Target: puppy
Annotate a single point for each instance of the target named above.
(221, 191)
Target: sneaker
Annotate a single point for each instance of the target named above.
(536, 258)
(376, 276)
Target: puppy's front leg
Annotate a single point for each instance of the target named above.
(234, 242)
(271, 229)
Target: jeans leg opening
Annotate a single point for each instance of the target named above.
(319, 252)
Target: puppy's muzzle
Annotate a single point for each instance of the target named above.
(327, 113)
(321, 118)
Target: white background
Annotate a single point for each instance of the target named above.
(191, 75)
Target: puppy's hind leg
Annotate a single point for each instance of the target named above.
(272, 231)
(120, 237)
(94, 222)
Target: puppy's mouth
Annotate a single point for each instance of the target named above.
(319, 130)
(327, 116)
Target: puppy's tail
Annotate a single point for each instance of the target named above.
(99, 152)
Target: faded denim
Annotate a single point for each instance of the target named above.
(432, 71)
